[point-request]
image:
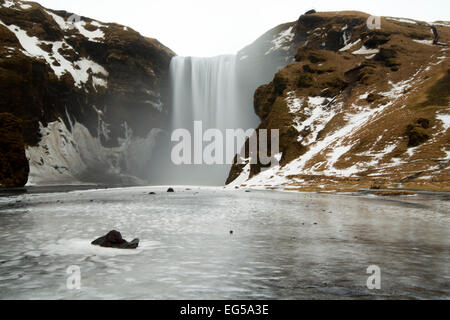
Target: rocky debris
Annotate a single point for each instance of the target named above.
(114, 240)
(14, 166)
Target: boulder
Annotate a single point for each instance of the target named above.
(114, 240)
(170, 190)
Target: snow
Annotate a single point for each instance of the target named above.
(399, 88)
(445, 118)
(79, 69)
(8, 4)
(364, 96)
(349, 46)
(99, 82)
(283, 37)
(335, 144)
(354, 122)
(402, 20)
(317, 114)
(93, 36)
(346, 37)
(294, 103)
(426, 42)
(60, 21)
(366, 51)
(243, 177)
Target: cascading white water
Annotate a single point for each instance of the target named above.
(207, 90)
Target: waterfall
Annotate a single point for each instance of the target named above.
(207, 90)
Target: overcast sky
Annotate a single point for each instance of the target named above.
(211, 27)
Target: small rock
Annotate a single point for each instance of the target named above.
(152, 193)
(231, 232)
(170, 190)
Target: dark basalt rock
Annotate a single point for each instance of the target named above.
(114, 240)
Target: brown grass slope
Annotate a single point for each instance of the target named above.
(404, 85)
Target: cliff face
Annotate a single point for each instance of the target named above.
(14, 167)
(357, 108)
(65, 77)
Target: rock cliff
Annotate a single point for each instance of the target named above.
(67, 77)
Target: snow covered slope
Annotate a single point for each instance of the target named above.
(358, 108)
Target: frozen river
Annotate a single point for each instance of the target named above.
(284, 246)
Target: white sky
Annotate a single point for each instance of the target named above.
(212, 27)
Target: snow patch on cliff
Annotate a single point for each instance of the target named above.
(80, 70)
(445, 118)
(93, 36)
(282, 40)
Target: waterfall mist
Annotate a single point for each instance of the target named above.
(206, 90)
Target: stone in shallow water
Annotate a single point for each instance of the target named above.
(114, 240)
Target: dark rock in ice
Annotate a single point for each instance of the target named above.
(114, 240)
(170, 190)
(152, 193)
